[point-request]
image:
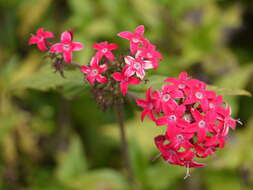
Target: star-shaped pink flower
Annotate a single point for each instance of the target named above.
(149, 52)
(147, 105)
(66, 46)
(104, 49)
(41, 39)
(136, 66)
(94, 71)
(135, 38)
(125, 81)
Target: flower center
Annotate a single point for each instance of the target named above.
(150, 106)
(137, 65)
(94, 72)
(135, 40)
(41, 38)
(180, 137)
(104, 50)
(202, 124)
(66, 47)
(166, 97)
(173, 117)
(181, 86)
(199, 95)
(211, 105)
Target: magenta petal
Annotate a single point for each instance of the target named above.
(109, 56)
(77, 46)
(67, 55)
(162, 121)
(112, 46)
(123, 87)
(66, 37)
(33, 40)
(102, 68)
(91, 80)
(56, 48)
(48, 34)
(140, 30)
(101, 79)
(126, 35)
(85, 69)
(141, 103)
(117, 76)
(133, 81)
(42, 46)
(40, 31)
(143, 114)
(129, 72)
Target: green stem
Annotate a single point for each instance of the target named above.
(124, 145)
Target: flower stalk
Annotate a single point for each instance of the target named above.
(118, 108)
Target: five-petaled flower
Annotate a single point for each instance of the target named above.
(93, 71)
(136, 38)
(41, 39)
(66, 46)
(136, 66)
(104, 49)
(125, 81)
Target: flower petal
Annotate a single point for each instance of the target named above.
(126, 35)
(117, 76)
(140, 30)
(77, 46)
(66, 37)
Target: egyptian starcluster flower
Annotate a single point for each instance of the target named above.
(41, 39)
(130, 70)
(65, 47)
(197, 120)
(143, 56)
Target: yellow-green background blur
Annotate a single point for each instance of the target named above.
(52, 134)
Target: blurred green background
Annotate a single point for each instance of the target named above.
(52, 134)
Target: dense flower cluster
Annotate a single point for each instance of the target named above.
(197, 120)
(132, 71)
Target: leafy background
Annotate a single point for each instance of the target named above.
(52, 134)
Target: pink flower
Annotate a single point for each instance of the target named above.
(196, 120)
(125, 81)
(149, 52)
(136, 66)
(135, 38)
(165, 99)
(66, 46)
(104, 49)
(148, 105)
(40, 39)
(94, 71)
(203, 124)
(173, 117)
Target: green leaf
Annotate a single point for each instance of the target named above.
(46, 79)
(72, 164)
(229, 91)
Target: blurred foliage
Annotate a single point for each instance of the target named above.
(50, 134)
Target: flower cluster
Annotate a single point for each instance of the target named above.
(130, 70)
(197, 120)
(109, 75)
(65, 47)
